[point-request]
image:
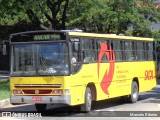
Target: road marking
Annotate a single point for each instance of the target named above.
(97, 110)
(111, 110)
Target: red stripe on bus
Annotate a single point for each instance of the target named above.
(108, 76)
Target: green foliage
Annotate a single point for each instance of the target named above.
(156, 35)
(11, 12)
(113, 16)
(102, 16)
(22, 26)
(39, 7)
(14, 18)
(4, 89)
(50, 12)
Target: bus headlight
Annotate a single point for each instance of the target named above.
(58, 92)
(66, 92)
(17, 92)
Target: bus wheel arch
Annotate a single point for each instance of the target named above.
(86, 107)
(90, 95)
(93, 91)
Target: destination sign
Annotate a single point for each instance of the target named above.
(46, 37)
(38, 36)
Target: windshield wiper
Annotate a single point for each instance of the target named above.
(47, 69)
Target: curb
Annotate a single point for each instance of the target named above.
(4, 103)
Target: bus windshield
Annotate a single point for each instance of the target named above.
(40, 59)
(53, 59)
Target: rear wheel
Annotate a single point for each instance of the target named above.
(134, 93)
(41, 107)
(86, 107)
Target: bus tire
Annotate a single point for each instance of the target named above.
(134, 93)
(86, 107)
(41, 107)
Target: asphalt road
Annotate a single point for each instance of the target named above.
(113, 108)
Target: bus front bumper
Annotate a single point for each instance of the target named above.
(65, 99)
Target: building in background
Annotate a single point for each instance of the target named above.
(157, 25)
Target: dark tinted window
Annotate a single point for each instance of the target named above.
(88, 48)
(118, 49)
(149, 51)
(140, 51)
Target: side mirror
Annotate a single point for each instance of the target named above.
(4, 49)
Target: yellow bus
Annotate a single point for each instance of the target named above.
(76, 68)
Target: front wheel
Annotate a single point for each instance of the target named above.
(134, 92)
(41, 107)
(86, 107)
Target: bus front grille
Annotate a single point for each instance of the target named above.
(37, 91)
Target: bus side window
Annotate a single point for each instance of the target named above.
(140, 51)
(134, 52)
(149, 50)
(88, 48)
(129, 51)
(75, 56)
(122, 50)
(104, 57)
(76, 51)
(117, 47)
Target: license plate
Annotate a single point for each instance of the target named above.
(36, 98)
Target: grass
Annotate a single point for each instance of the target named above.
(4, 89)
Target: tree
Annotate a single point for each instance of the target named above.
(113, 16)
(52, 12)
(103, 16)
(11, 12)
(13, 18)
(148, 16)
(25, 15)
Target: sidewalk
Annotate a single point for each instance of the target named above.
(4, 103)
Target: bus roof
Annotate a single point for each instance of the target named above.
(108, 36)
(84, 34)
